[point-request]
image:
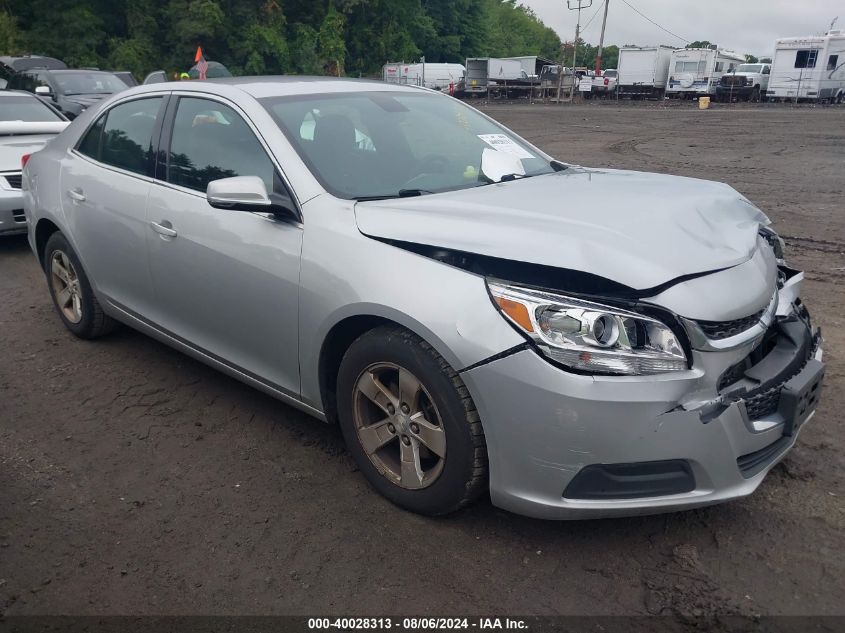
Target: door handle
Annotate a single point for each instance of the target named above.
(161, 229)
(76, 194)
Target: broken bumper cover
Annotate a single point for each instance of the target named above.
(568, 446)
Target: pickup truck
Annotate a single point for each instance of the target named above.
(605, 84)
(748, 82)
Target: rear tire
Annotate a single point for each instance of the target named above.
(424, 452)
(71, 291)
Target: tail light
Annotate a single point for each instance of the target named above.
(606, 81)
(25, 160)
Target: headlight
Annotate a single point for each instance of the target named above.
(588, 336)
(775, 241)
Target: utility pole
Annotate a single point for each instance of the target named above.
(576, 5)
(601, 40)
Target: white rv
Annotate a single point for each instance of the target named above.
(811, 68)
(696, 71)
(430, 75)
(644, 70)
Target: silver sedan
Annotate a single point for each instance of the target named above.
(26, 125)
(473, 313)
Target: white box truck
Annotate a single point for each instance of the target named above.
(809, 68)
(644, 71)
(694, 72)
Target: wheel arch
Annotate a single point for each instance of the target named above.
(345, 331)
(43, 230)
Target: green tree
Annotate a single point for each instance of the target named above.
(271, 36)
(331, 44)
(8, 33)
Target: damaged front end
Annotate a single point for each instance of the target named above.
(616, 440)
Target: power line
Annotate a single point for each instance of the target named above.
(641, 14)
(584, 28)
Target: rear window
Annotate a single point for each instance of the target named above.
(690, 67)
(28, 109)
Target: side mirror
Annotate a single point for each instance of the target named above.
(241, 193)
(43, 91)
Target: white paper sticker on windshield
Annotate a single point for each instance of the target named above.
(504, 143)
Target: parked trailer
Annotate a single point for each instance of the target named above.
(551, 80)
(532, 64)
(483, 73)
(696, 71)
(644, 71)
(809, 68)
(430, 75)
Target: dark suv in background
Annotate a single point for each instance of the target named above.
(70, 91)
(10, 66)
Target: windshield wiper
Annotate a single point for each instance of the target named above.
(402, 193)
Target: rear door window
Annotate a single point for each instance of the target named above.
(123, 137)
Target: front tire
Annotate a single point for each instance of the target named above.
(410, 423)
(71, 291)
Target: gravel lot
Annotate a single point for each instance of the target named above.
(134, 480)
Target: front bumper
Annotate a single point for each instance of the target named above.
(738, 92)
(544, 426)
(12, 218)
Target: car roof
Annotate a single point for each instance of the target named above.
(20, 63)
(278, 86)
(65, 71)
(17, 93)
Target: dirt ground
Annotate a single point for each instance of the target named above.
(134, 480)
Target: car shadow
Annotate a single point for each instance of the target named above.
(13, 244)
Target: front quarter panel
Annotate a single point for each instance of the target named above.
(346, 274)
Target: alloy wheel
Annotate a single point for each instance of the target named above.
(399, 426)
(66, 288)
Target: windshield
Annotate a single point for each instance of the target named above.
(749, 68)
(86, 83)
(389, 144)
(28, 109)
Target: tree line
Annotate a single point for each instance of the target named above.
(342, 37)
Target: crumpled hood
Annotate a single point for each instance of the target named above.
(638, 229)
(12, 148)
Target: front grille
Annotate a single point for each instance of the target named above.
(767, 402)
(18, 215)
(763, 404)
(14, 180)
(733, 81)
(718, 330)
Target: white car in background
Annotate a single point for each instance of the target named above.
(26, 125)
(605, 84)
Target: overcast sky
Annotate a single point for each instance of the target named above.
(746, 26)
